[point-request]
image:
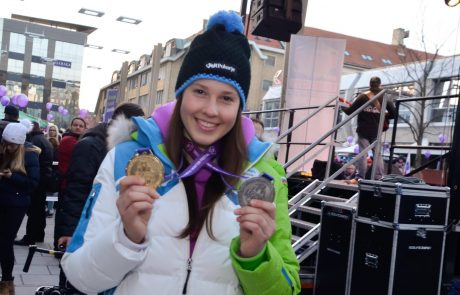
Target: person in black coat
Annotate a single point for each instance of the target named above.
(36, 222)
(87, 156)
(19, 176)
(11, 115)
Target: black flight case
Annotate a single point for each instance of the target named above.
(334, 252)
(399, 239)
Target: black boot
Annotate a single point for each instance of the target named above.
(25, 241)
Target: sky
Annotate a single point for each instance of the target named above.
(165, 20)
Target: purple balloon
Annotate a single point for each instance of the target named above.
(65, 112)
(49, 105)
(5, 100)
(442, 138)
(49, 117)
(356, 150)
(83, 113)
(60, 109)
(22, 100)
(427, 154)
(385, 146)
(350, 139)
(3, 90)
(14, 100)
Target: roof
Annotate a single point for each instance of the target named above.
(443, 68)
(359, 50)
(54, 24)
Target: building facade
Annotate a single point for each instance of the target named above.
(43, 59)
(133, 82)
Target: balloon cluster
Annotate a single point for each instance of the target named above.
(20, 100)
(63, 111)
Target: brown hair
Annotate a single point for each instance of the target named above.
(232, 143)
(16, 161)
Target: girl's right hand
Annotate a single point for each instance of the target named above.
(135, 205)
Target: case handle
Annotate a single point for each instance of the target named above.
(371, 260)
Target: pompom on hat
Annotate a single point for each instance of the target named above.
(15, 133)
(221, 53)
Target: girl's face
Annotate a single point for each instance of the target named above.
(209, 110)
(78, 126)
(52, 132)
(10, 148)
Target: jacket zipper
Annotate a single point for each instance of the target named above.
(189, 270)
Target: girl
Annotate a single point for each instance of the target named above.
(19, 176)
(53, 133)
(189, 236)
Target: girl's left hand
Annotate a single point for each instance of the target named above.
(257, 225)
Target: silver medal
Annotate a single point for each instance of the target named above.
(259, 188)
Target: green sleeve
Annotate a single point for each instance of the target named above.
(277, 273)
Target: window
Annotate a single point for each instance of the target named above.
(144, 78)
(144, 101)
(37, 69)
(443, 109)
(159, 99)
(17, 43)
(271, 120)
(40, 47)
(161, 73)
(397, 91)
(366, 57)
(266, 84)
(132, 83)
(15, 66)
(386, 61)
(270, 61)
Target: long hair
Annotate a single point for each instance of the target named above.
(232, 143)
(14, 161)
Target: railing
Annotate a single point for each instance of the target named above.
(394, 146)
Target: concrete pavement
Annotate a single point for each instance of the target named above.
(44, 269)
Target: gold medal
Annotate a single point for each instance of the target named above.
(148, 167)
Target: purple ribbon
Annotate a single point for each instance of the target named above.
(201, 159)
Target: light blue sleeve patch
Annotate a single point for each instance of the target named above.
(250, 173)
(77, 238)
(286, 276)
(232, 195)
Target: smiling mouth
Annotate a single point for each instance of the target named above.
(206, 125)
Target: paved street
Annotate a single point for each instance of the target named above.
(44, 270)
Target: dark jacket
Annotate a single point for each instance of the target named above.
(368, 118)
(84, 164)
(69, 139)
(16, 190)
(46, 156)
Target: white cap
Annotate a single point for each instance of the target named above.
(15, 133)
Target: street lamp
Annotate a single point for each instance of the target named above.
(452, 3)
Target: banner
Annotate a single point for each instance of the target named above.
(111, 99)
(407, 165)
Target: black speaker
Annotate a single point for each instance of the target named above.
(276, 19)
